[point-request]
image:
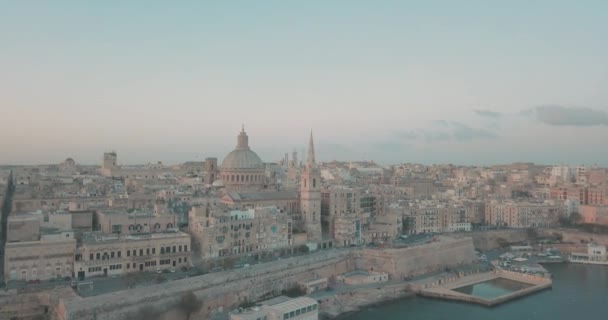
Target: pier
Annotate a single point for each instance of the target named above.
(450, 289)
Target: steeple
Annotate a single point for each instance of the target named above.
(310, 161)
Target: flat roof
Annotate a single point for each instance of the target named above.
(93, 237)
(270, 195)
(294, 304)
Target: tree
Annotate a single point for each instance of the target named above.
(406, 224)
(189, 303)
(304, 248)
(502, 242)
(228, 263)
(532, 233)
(144, 313)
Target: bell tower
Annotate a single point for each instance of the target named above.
(310, 195)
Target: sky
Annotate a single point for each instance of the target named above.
(463, 82)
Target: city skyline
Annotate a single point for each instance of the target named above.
(394, 82)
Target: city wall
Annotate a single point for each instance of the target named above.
(349, 301)
(489, 239)
(226, 290)
(218, 291)
(575, 236)
(401, 263)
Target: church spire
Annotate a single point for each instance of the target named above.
(310, 161)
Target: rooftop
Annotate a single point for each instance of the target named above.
(270, 195)
(96, 237)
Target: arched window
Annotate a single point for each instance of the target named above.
(156, 226)
(169, 225)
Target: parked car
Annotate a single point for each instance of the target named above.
(34, 281)
(172, 270)
(158, 270)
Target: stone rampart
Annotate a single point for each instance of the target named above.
(575, 236)
(401, 263)
(490, 239)
(217, 291)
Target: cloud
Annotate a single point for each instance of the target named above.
(568, 116)
(462, 132)
(447, 130)
(488, 113)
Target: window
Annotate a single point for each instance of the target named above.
(128, 265)
(162, 250)
(174, 249)
(153, 250)
(298, 312)
(141, 252)
(186, 248)
(180, 248)
(98, 256)
(185, 259)
(91, 256)
(112, 254)
(148, 251)
(292, 314)
(119, 253)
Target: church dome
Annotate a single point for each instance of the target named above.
(242, 157)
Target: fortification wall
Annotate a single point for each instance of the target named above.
(401, 263)
(218, 291)
(575, 236)
(489, 239)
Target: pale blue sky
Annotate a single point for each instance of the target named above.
(474, 82)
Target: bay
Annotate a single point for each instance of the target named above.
(579, 291)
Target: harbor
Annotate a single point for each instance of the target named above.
(488, 289)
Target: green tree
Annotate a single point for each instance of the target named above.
(189, 303)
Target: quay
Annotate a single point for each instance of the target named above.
(446, 288)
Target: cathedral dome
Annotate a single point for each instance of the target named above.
(242, 168)
(242, 159)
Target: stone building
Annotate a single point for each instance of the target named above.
(280, 308)
(223, 232)
(286, 200)
(522, 214)
(107, 254)
(51, 256)
(23, 227)
(122, 222)
(347, 212)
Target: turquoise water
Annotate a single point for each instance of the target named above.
(493, 288)
(579, 291)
